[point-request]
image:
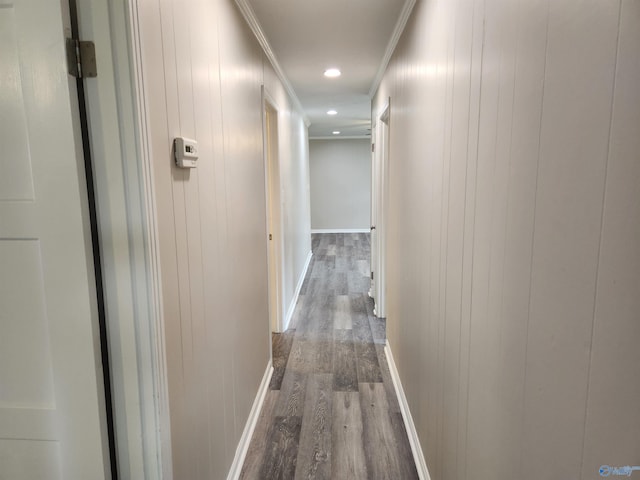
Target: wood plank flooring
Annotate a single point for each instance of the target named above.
(331, 411)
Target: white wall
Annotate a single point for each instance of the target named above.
(340, 172)
(514, 242)
(204, 82)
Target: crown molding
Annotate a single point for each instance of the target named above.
(251, 19)
(405, 13)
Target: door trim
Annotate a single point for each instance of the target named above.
(379, 207)
(127, 224)
(159, 455)
(273, 211)
(97, 257)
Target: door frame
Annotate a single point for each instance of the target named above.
(380, 183)
(127, 229)
(83, 133)
(273, 202)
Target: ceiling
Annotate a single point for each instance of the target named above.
(309, 36)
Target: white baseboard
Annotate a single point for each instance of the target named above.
(341, 230)
(296, 294)
(245, 439)
(421, 464)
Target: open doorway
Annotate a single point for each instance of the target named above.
(379, 182)
(274, 209)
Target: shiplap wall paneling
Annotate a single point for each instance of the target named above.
(528, 75)
(457, 161)
(511, 262)
(205, 83)
(576, 113)
(613, 403)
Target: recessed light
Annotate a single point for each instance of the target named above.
(336, 132)
(332, 112)
(332, 72)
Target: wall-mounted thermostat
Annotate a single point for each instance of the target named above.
(186, 152)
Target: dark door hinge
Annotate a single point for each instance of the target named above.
(373, 147)
(81, 58)
(371, 275)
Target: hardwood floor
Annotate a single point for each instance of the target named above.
(331, 411)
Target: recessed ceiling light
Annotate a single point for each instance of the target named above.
(336, 132)
(332, 72)
(332, 112)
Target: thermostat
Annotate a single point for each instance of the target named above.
(186, 152)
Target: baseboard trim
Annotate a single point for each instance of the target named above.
(340, 230)
(421, 464)
(296, 294)
(245, 439)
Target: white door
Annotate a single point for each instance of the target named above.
(378, 209)
(374, 198)
(273, 187)
(383, 159)
(52, 419)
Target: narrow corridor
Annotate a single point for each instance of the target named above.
(331, 410)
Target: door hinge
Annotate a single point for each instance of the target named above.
(270, 237)
(81, 58)
(371, 275)
(373, 147)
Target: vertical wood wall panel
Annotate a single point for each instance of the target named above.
(525, 132)
(455, 237)
(241, 77)
(204, 277)
(576, 112)
(513, 244)
(154, 59)
(483, 379)
(613, 406)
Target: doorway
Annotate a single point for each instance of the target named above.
(274, 212)
(379, 185)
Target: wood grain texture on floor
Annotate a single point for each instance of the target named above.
(347, 440)
(332, 411)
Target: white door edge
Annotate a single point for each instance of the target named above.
(381, 165)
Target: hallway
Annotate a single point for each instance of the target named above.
(331, 410)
